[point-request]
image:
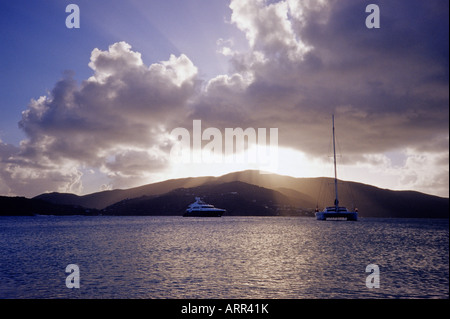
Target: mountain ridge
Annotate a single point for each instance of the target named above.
(284, 195)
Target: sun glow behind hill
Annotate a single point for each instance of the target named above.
(384, 171)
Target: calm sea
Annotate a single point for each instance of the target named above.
(228, 257)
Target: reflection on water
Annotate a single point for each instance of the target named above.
(228, 257)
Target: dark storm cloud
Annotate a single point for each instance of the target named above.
(387, 86)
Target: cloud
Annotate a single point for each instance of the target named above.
(268, 28)
(304, 61)
(21, 175)
(388, 87)
(308, 59)
(416, 173)
(420, 171)
(114, 121)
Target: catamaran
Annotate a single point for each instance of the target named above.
(336, 211)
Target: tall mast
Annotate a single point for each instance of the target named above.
(336, 201)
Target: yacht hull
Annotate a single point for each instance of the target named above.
(217, 213)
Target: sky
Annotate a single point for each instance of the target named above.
(93, 108)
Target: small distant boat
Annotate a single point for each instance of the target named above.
(201, 209)
(336, 212)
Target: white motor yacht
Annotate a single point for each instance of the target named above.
(201, 209)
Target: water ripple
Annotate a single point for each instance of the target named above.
(228, 257)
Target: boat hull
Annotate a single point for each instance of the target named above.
(216, 213)
(337, 215)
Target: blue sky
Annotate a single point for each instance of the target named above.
(92, 108)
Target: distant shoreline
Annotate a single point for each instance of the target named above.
(246, 193)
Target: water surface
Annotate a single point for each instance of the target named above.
(228, 257)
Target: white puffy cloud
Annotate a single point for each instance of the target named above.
(268, 27)
(115, 121)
